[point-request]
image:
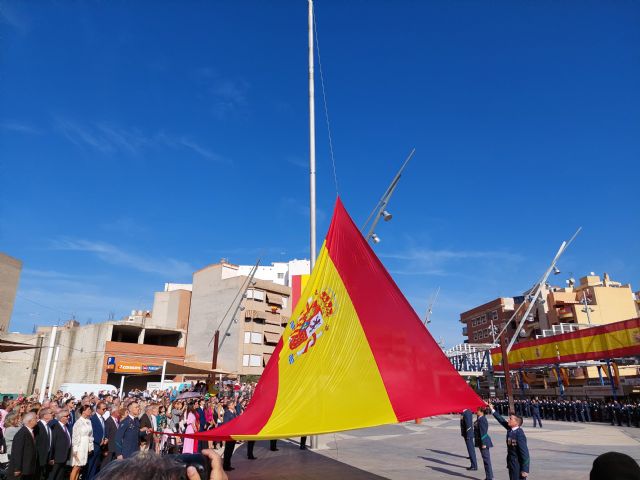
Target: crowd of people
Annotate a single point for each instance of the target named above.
(64, 437)
(620, 413)
(99, 434)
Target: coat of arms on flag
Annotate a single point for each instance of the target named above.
(311, 322)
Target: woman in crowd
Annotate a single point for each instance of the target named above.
(190, 445)
(82, 441)
(176, 416)
(11, 426)
(162, 417)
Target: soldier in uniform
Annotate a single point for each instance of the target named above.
(587, 410)
(129, 433)
(535, 410)
(518, 462)
(483, 440)
(466, 430)
(617, 413)
(580, 411)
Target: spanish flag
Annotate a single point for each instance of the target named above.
(353, 355)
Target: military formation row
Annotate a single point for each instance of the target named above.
(615, 413)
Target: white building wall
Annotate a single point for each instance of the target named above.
(277, 272)
(170, 287)
(16, 367)
(81, 354)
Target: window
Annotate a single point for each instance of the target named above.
(249, 294)
(258, 295)
(256, 338)
(280, 276)
(247, 337)
(285, 302)
(254, 361)
(245, 360)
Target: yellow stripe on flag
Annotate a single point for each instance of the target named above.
(333, 383)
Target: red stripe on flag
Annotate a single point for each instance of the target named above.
(296, 290)
(419, 379)
(259, 408)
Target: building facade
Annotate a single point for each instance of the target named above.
(10, 269)
(594, 301)
(482, 323)
(249, 319)
(180, 329)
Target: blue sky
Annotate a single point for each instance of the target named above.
(140, 141)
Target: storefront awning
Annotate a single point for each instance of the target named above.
(191, 369)
(8, 346)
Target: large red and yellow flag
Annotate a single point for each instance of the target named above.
(354, 354)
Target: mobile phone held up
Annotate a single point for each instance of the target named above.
(196, 460)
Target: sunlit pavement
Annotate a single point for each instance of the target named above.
(434, 449)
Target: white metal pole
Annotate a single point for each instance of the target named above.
(45, 377)
(535, 295)
(122, 386)
(53, 369)
(312, 143)
(164, 370)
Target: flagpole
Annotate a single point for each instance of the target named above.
(312, 144)
(312, 160)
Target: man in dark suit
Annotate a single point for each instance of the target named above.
(110, 429)
(483, 441)
(60, 445)
(229, 414)
(129, 433)
(147, 421)
(24, 457)
(70, 405)
(518, 462)
(99, 441)
(42, 434)
(466, 430)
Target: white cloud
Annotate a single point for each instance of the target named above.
(167, 267)
(18, 127)
(109, 139)
(13, 17)
(435, 257)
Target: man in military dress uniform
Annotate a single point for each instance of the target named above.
(466, 430)
(483, 440)
(129, 433)
(535, 411)
(518, 462)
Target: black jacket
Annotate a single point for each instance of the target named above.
(145, 421)
(23, 454)
(43, 443)
(110, 429)
(61, 445)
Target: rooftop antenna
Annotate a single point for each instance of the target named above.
(433, 301)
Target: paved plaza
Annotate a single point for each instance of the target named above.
(434, 449)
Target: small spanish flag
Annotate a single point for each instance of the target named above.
(353, 355)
